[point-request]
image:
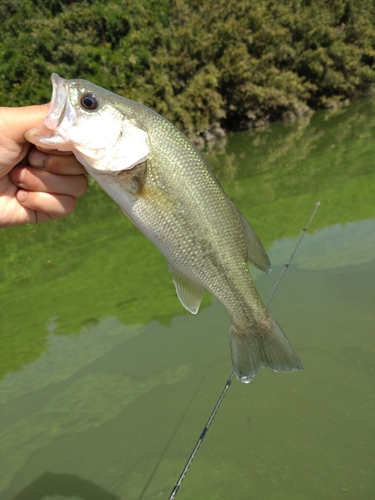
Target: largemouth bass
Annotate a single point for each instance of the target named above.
(165, 186)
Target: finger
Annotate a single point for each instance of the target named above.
(52, 151)
(16, 121)
(56, 163)
(46, 205)
(37, 180)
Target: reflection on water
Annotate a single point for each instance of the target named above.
(63, 486)
(104, 375)
(333, 246)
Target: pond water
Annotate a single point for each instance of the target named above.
(107, 382)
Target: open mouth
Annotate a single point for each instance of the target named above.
(58, 102)
(61, 116)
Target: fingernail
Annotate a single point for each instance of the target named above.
(21, 195)
(17, 175)
(37, 158)
(21, 174)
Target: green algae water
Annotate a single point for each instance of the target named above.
(106, 381)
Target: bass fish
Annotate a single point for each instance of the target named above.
(165, 186)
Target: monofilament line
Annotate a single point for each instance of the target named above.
(229, 381)
(287, 264)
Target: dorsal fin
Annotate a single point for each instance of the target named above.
(188, 292)
(256, 253)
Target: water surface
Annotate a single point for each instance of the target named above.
(107, 382)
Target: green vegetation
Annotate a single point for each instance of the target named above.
(197, 63)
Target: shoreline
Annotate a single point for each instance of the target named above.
(217, 132)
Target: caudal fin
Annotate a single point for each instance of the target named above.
(266, 345)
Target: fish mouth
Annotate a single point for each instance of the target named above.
(58, 102)
(61, 117)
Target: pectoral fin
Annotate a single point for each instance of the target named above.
(188, 292)
(256, 253)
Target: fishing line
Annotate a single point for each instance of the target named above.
(170, 441)
(282, 274)
(229, 381)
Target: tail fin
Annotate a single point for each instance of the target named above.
(266, 345)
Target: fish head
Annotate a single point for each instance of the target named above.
(98, 126)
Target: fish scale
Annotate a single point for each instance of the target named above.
(162, 182)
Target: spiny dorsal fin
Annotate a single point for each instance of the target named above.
(256, 253)
(188, 292)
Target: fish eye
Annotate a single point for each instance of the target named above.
(89, 101)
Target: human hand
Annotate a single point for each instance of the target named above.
(28, 194)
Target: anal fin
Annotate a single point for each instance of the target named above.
(188, 292)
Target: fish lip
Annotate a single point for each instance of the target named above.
(58, 102)
(55, 128)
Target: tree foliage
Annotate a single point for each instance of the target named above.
(195, 62)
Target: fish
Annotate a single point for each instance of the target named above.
(165, 186)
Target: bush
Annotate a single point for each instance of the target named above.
(197, 63)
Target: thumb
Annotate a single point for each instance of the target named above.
(14, 123)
